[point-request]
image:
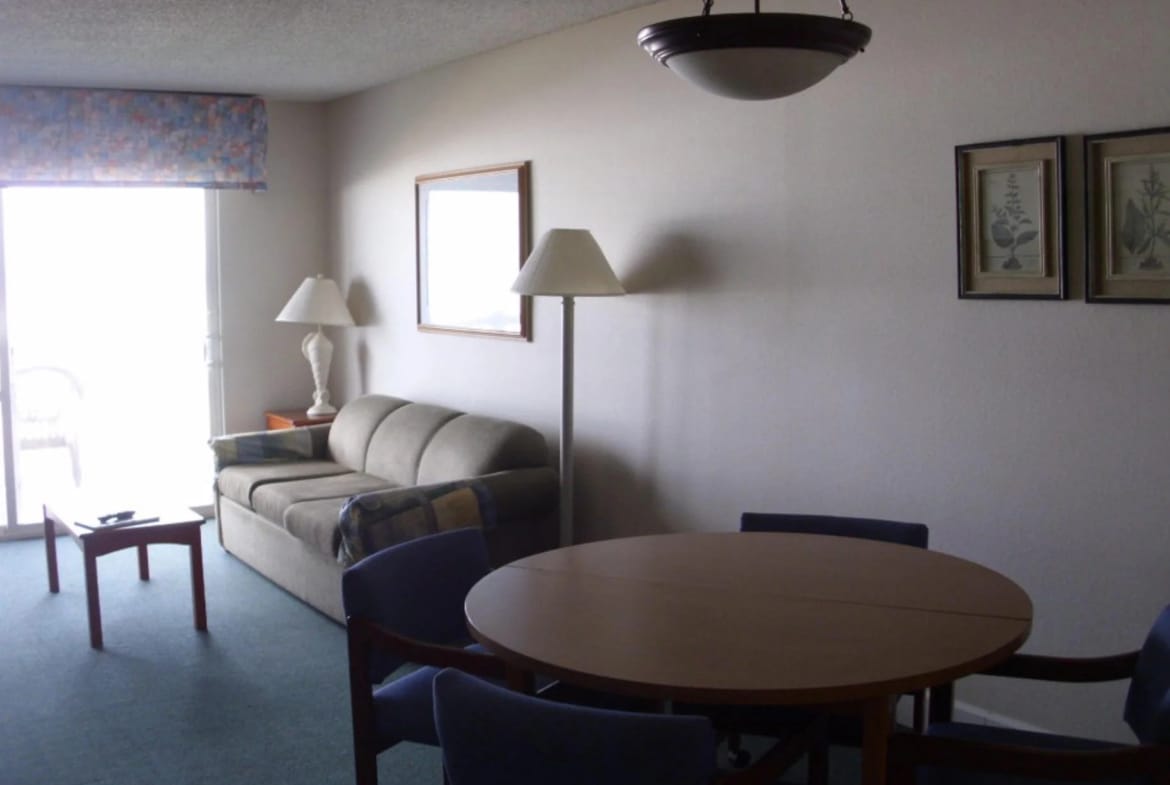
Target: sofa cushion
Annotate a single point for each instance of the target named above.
(351, 430)
(272, 499)
(399, 441)
(471, 445)
(315, 523)
(238, 482)
(375, 521)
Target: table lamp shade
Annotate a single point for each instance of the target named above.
(567, 263)
(316, 301)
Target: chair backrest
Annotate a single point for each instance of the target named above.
(914, 534)
(46, 405)
(416, 589)
(1147, 706)
(494, 736)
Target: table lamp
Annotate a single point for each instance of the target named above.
(317, 301)
(567, 263)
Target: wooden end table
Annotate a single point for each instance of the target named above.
(175, 525)
(293, 418)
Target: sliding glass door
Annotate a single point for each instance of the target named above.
(105, 383)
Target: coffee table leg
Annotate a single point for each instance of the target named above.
(197, 596)
(143, 564)
(51, 553)
(877, 718)
(92, 599)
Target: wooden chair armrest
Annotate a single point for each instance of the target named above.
(478, 663)
(1066, 669)
(907, 750)
(779, 758)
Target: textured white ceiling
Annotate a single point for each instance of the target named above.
(284, 49)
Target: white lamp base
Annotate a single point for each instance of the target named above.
(318, 350)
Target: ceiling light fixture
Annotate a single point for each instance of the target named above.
(754, 57)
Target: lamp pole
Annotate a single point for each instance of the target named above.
(567, 263)
(566, 503)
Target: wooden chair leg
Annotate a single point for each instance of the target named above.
(366, 767)
(920, 711)
(361, 700)
(818, 761)
(942, 702)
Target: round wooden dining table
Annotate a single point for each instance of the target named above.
(742, 618)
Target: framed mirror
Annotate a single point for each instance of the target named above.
(472, 235)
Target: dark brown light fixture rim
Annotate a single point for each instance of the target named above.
(663, 40)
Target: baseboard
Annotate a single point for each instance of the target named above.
(967, 712)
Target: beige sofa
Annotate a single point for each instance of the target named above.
(300, 505)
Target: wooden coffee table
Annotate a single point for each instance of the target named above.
(835, 623)
(176, 525)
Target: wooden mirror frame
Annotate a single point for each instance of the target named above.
(465, 261)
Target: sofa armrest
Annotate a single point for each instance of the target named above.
(372, 521)
(291, 444)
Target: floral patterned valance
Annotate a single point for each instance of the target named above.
(66, 136)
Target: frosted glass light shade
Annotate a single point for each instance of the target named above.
(754, 74)
(567, 263)
(756, 56)
(316, 301)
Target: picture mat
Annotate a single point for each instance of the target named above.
(1103, 282)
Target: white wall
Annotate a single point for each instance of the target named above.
(793, 340)
(268, 243)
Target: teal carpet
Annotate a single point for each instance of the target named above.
(261, 697)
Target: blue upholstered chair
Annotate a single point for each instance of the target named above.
(404, 605)
(494, 736)
(956, 753)
(916, 535)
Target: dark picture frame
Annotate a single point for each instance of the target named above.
(472, 235)
(1127, 216)
(1011, 219)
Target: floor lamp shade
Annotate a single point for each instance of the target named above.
(317, 301)
(567, 263)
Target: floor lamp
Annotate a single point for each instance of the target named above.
(567, 263)
(317, 301)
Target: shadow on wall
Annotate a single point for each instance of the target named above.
(364, 311)
(361, 303)
(672, 262)
(605, 484)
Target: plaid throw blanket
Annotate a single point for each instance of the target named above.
(262, 447)
(377, 520)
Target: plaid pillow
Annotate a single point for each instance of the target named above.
(377, 520)
(289, 444)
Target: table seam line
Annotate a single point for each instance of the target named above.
(785, 595)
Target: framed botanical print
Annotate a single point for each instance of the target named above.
(1011, 219)
(1127, 226)
(472, 236)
